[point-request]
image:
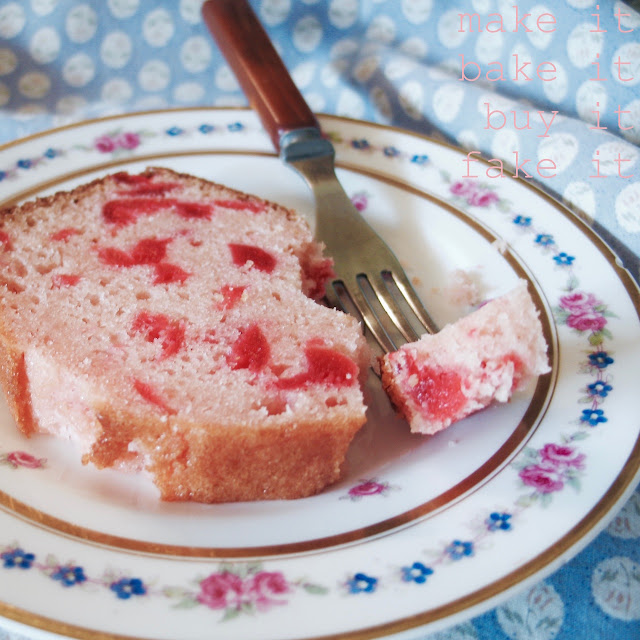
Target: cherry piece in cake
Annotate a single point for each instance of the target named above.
(483, 357)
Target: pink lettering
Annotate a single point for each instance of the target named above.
(490, 114)
(541, 71)
(597, 112)
(620, 112)
(540, 22)
(597, 17)
(465, 65)
(619, 160)
(469, 160)
(546, 164)
(520, 69)
(596, 161)
(618, 14)
(597, 65)
(520, 166)
(520, 21)
(618, 63)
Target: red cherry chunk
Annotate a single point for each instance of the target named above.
(157, 326)
(193, 210)
(319, 275)
(437, 391)
(231, 295)
(143, 185)
(518, 369)
(152, 396)
(115, 257)
(145, 251)
(260, 259)
(59, 280)
(64, 234)
(250, 351)
(324, 366)
(5, 241)
(149, 251)
(167, 273)
(124, 211)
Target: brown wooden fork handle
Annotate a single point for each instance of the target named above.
(257, 67)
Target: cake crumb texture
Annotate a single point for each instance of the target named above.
(168, 323)
(482, 358)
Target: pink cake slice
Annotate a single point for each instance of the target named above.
(481, 358)
(167, 323)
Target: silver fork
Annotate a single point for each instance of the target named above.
(369, 280)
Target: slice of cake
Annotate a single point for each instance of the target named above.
(167, 323)
(481, 358)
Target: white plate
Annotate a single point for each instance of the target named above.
(421, 532)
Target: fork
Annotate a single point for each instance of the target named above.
(369, 280)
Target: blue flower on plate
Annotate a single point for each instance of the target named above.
(69, 575)
(51, 153)
(544, 239)
(420, 159)
(498, 521)
(522, 221)
(235, 126)
(599, 388)
(391, 152)
(361, 144)
(600, 359)
(25, 163)
(564, 259)
(593, 416)
(417, 573)
(459, 549)
(127, 587)
(206, 128)
(362, 583)
(3, 175)
(17, 558)
(175, 131)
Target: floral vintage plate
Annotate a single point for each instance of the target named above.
(421, 532)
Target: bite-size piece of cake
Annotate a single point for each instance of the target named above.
(168, 323)
(481, 358)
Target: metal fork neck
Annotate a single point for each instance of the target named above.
(303, 144)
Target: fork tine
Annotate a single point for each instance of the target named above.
(391, 307)
(367, 314)
(338, 296)
(379, 310)
(411, 297)
(372, 319)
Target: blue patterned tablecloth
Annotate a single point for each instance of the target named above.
(553, 81)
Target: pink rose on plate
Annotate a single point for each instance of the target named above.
(587, 321)
(562, 455)
(579, 302)
(23, 459)
(221, 591)
(543, 478)
(367, 488)
(266, 588)
(360, 201)
(128, 140)
(105, 144)
(482, 198)
(462, 188)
